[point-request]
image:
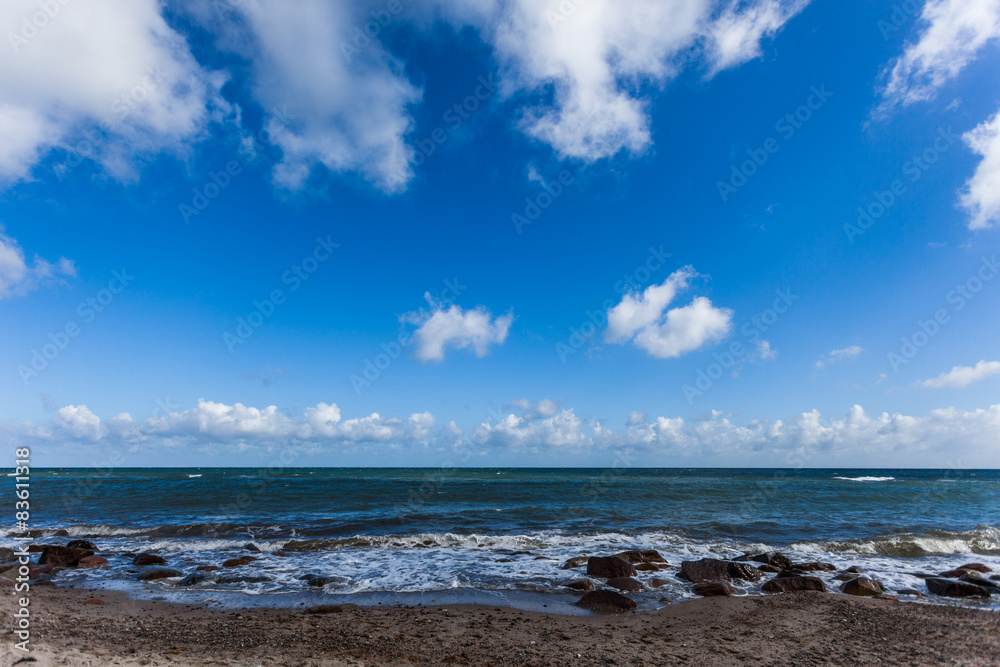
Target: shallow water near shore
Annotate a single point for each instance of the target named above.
(500, 536)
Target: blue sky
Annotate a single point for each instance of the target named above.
(697, 167)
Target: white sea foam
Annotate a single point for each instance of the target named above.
(867, 479)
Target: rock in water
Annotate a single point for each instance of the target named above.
(63, 556)
(812, 567)
(82, 544)
(955, 589)
(575, 562)
(609, 567)
(744, 571)
(250, 546)
(238, 562)
(979, 580)
(193, 579)
(780, 561)
(92, 561)
(627, 584)
(862, 586)
(706, 569)
(656, 582)
(978, 567)
(319, 581)
(713, 588)
(793, 584)
(582, 585)
(647, 556)
(648, 567)
(144, 559)
(154, 572)
(606, 601)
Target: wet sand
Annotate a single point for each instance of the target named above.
(792, 629)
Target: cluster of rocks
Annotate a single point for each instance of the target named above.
(713, 577)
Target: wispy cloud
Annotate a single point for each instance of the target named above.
(963, 376)
(844, 354)
(19, 276)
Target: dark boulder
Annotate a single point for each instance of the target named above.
(794, 584)
(772, 569)
(250, 546)
(956, 573)
(582, 585)
(980, 580)
(978, 567)
(193, 579)
(656, 582)
(649, 567)
(7, 555)
(145, 559)
(242, 579)
(82, 544)
(238, 562)
(647, 556)
(606, 601)
(609, 567)
(744, 571)
(63, 556)
(844, 576)
(862, 586)
(854, 569)
(812, 567)
(627, 584)
(955, 589)
(706, 569)
(92, 561)
(154, 572)
(35, 548)
(319, 582)
(713, 588)
(776, 559)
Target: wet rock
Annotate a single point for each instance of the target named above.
(980, 580)
(656, 582)
(978, 567)
(543, 558)
(7, 555)
(281, 554)
(43, 580)
(144, 559)
(781, 561)
(956, 573)
(154, 572)
(647, 567)
(627, 584)
(92, 561)
(713, 588)
(844, 576)
(250, 546)
(63, 556)
(243, 579)
(910, 591)
(582, 585)
(606, 601)
(771, 569)
(794, 584)
(647, 556)
(609, 567)
(784, 574)
(812, 567)
(955, 589)
(862, 586)
(331, 608)
(706, 569)
(193, 579)
(35, 548)
(995, 577)
(578, 561)
(505, 560)
(206, 568)
(82, 544)
(854, 569)
(238, 562)
(319, 581)
(744, 571)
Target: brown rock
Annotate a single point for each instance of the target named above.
(238, 562)
(980, 580)
(82, 544)
(647, 567)
(955, 589)
(656, 582)
(844, 576)
(978, 567)
(647, 556)
(92, 561)
(627, 584)
(606, 601)
(578, 561)
(154, 572)
(609, 567)
(63, 556)
(744, 571)
(794, 584)
(956, 573)
(582, 585)
(772, 569)
(206, 568)
(713, 588)
(862, 586)
(854, 569)
(144, 559)
(706, 569)
(35, 548)
(812, 567)
(781, 561)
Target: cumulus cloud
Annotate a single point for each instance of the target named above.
(844, 354)
(736, 35)
(963, 376)
(954, 31)
(981, 195)
(531, 431)
(107, 81)
(644, 319)
(439, 328)
(19, 276)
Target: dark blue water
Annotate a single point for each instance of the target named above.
(403, 530)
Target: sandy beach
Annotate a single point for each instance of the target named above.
(82, 627)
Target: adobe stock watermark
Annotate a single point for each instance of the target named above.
(373, 367)
(218, 181)
(87, 310)
(535, 206)
(294, 277)
(902, 13)
(913, 169)
(362, 36)
(786, 127)
(453, 119)
(751, 330)
(32, 25)
(958, 298)
(596, 320)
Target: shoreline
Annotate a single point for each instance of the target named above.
(75, 626)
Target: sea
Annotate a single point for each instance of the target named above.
(412, 536)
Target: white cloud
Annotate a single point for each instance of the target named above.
(442, 328)
(109, 80)
(18, 276)
(542, 409)
(764, 350)
(563, 429)
(954, 32)
(844, 354)
(736, 35)
(981, 195)
(644, 319)
(963, 376)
